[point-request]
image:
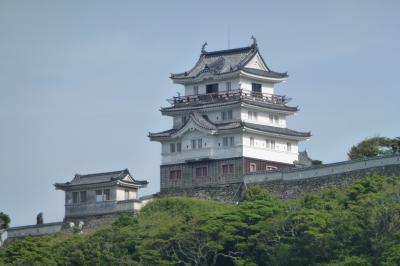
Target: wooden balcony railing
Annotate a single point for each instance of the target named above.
(228, 96)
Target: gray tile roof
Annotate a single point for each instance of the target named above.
(277, 130)
(97, 178)
(226, 61)
(205, 123)
(203, 105)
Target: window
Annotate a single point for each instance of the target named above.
(272, 144)
(270, 168)
(175, 174)
(251, 141)
(256, 87)
(227, 169)
(267, 144)
(273, 119)
(194, 143)
(228, 86)
(200, 143)
(252, 115)
(106, 194)
(178, 147)
(226, 115)
(126, 194)
(289, 147)
(225, 141)
(212, 88)
(196, 90)
(253, 167)
(231, 141)
(82, 196)
(172, 147)
(201, 171)
(230, 115)
(99, 195)
(103, 195)
(75, 197)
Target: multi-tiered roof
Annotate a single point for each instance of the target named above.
(225, 64)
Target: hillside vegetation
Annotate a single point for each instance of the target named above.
(356, 226)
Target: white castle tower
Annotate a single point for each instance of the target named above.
(229, 122)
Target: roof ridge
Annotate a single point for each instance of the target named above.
(226, 51)
(105, 173)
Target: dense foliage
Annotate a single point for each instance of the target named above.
(375, 146)
(356, 226)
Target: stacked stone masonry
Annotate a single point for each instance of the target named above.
(294, 182)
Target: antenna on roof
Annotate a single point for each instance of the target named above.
(229, 36)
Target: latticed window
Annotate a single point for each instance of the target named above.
(227, 169)
(175, 174)
(172, 147)
(253, 167)
(289, 147)
(75, 197)
(201, 171)
(251, 141)
(82, 196)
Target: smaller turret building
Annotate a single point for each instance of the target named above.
(101, 193)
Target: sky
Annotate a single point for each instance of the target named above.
(82, 82)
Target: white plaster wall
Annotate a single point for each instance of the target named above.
(212, 148)
(262, 118)
(266, 87)
(256, 62)
(120, 193)
(260, 151)
(189, 89)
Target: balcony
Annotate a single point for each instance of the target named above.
(226, 96)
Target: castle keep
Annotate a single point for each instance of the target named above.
(228, 123)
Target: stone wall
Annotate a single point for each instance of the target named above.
(292, 183)
(33, 230)
(230, 193)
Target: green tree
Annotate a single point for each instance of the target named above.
(4, 223)
(375, 146)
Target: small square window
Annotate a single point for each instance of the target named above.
(194, 143)
(75, 197)
(289, 147)
(172, 147)
(126, 194)
(107, 194)
(83, 197)
(228, 86)
(230, 115)
(200, 143)
(253, 167)
(225, 141)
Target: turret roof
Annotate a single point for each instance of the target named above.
(227, 61)
(101, 178)
(204, 123)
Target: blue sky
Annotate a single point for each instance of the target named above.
(81, 82)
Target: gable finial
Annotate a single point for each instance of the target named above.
(203, 48)
(254, 41)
